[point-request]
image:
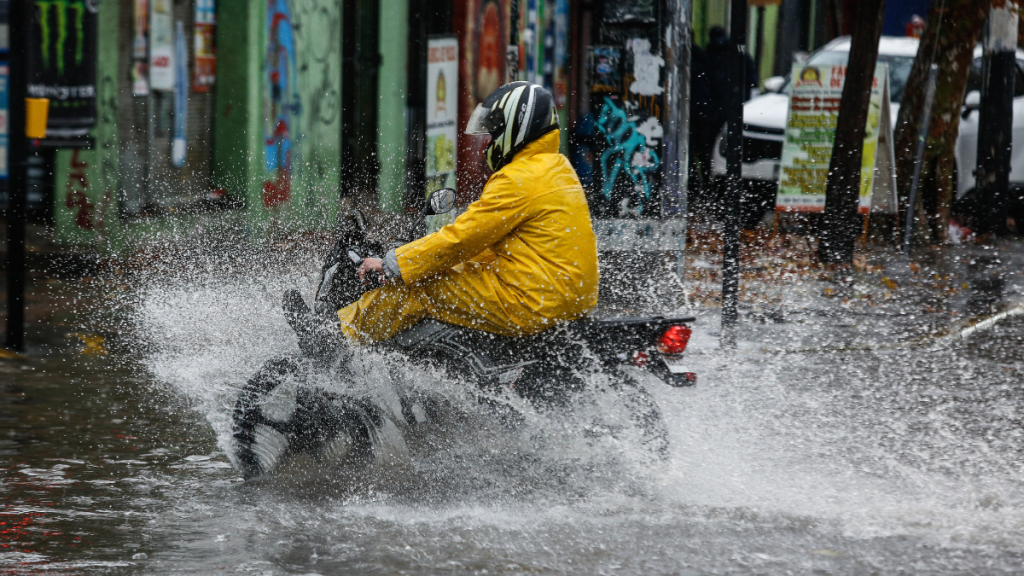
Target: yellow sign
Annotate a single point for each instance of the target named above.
(37, 111)
(810, 133)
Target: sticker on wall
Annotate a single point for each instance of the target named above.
(140, 49)
(605, 75)
(631, 11)
(646, 69)
(204, 65)
(161, 50)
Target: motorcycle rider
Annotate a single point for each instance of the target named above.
(519, 260)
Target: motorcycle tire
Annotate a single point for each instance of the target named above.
(333, 428)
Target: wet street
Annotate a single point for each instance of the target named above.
(901, 460)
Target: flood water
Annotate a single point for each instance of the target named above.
(893, 461)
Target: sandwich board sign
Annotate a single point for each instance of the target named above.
(442, 130)
(810, 134)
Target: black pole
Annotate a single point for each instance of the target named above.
(512, 52)
(922, 139)
(17, 160)
(995, 138)
(734, 172)
(759, 39)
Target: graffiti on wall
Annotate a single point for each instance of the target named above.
(301, 100)
(280, 103)
(629, 151)
(88, 216)
(628, 92)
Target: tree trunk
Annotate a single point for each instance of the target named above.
(842, 189)
(951, 32)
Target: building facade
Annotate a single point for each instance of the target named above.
(273, 113)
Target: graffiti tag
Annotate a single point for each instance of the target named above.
(86, 217)
(281, 102)
(628, 151)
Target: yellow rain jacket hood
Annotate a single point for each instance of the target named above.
(521, 259)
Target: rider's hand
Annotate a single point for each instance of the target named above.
(375, 265)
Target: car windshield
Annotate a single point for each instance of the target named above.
(899, 69)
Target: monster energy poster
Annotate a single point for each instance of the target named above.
(62, 63)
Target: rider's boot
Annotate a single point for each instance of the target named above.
(320, 337)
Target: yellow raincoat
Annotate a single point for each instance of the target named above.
(521, 259)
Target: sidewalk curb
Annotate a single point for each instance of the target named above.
(979, 323)
(959, 330)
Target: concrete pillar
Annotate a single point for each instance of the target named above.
(391, 116)
(237, 154)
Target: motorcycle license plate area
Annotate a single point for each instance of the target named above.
(674, 363)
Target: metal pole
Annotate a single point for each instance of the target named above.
(512, 52)
(922, 139)
(677, 125)
(734, 173)
(995, 137)
(17, 161)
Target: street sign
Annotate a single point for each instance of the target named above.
(810, 133)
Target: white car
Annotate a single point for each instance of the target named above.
(764, 123)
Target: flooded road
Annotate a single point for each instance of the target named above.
(896, 461)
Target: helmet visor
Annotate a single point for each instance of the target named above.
(484, 121)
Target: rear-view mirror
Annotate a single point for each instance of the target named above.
(441, 201)
(774, 84)
(971, 103)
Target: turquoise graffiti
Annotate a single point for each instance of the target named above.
(280, 101)
(627, 153)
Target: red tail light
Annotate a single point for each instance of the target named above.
(675, 339)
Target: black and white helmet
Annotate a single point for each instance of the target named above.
(514, 115)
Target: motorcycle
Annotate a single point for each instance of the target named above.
(274, 424)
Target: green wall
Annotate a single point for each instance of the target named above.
(710, 13)
(771, 26)
(706, 15)
(391, 117)
(307, 103)
(237, 125)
